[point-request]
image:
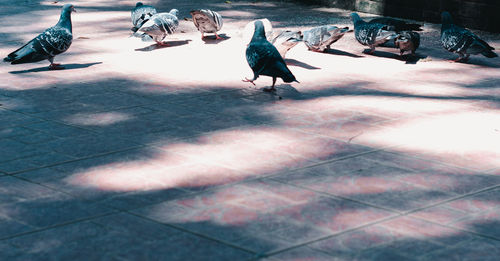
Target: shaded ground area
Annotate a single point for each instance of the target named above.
(142, 153)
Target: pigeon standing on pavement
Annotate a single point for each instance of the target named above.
(407, 41)
(371, 34)
(320, 38)
(53, 41)
(207, 21)
(286, 40)
(264, 59)
(399, 25)
(462, 41)
(141, 14)
(160, 25)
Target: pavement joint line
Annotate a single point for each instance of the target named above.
(452, 199)
(192, 232)
(57, 225)
(79, 159)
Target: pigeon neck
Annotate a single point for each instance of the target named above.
(65, 20)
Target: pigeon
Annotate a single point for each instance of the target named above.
(320, 38)
(407, 41)
(286, 40)
(249, 30)
(141, 14)
(462, 41)
(207, 21)
(53, 41)
(371, 34)
(399, 25)
(160, 25)
(264, 59)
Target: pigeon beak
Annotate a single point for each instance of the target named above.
(73, 9)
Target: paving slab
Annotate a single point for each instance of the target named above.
(141, 152)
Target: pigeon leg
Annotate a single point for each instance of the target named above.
(272, 89)
(217, 37)
(162, 44)
(202, 36)
(250, 81)
(54, 66)
(372, 49)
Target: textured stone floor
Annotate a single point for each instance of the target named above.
(142, 153)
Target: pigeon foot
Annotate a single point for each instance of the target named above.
(248, 80)
(55, 66)
(217, 37)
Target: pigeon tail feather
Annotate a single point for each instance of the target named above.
(489, 54)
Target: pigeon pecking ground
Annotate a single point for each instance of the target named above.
(145, 152)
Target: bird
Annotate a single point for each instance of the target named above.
(286, 40)
(141, 14)
(371, 34)
(264, 59)
(407, 41)
(160, 25)
(207, 21)
(399, 25)
(250, 29)
(462, 41)
(320, 38)
(53, 41)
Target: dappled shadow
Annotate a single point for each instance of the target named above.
(70, 66)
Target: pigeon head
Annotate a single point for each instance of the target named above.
(446, 18)
(68, 8)
(65, 19)
(139, 4)
(174, 12)
(259, 30)
(355, 18)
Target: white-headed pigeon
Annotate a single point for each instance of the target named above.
(141, 14)
(264, 59)
(53, 41)
(207, 21)
(462, 41)
(407, 41)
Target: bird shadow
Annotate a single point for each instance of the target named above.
(212, 39)
(70, 66)
(166, 45)
(294, 62)
(413, 59)
(383, 54)
(480, 62)
(339, 52)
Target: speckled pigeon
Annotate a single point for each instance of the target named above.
(207, 21)
(399, 25)
(320, 38)
(141, 14)
(53, 41)
(286, 40)
(407, 41)
(264, 59)
(462, 41)
(371, 34)
(160, 25)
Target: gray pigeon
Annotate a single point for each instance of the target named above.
(320, 38)
(286, 40)
(53, 41)
(398, 25)
(462, 41)
(371, 34)
(407, 41)
(160, 25)
(207, 21)
(141, 14)
(264, 59)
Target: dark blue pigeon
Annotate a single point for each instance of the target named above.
(53, 41)
(399, 25)
(462, 41)
(372, 34)
(264, 59)
(141, 14)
